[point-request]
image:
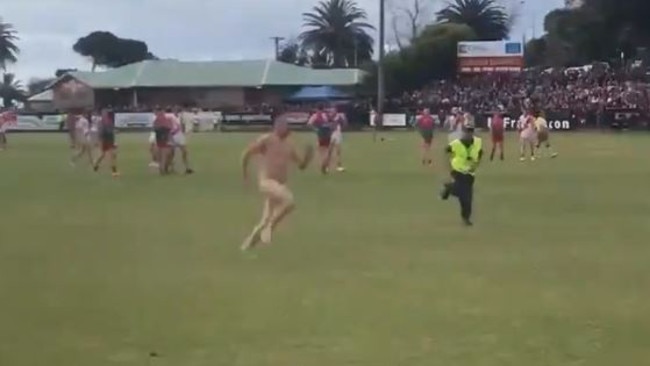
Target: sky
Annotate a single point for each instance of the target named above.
(187, 29)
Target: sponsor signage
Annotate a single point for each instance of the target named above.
(490, 56)
(50, 122)
(246, 119)
(134, 120)
(390, 120)
(557, 122)
(206, 121)
(626, 118)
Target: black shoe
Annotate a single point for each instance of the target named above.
(189, 171)
(467, 222)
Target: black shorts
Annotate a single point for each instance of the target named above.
(162, 136)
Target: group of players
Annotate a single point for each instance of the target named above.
(532, 126)
(328, 123)
(88, 131)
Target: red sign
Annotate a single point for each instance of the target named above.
(490, 64)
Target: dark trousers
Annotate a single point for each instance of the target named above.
(463, 189)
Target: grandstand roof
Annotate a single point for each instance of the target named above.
(257, 73)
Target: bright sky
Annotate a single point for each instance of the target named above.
(185, 30)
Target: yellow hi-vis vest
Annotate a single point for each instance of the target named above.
(464, 159)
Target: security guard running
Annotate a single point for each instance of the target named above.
(465, 154)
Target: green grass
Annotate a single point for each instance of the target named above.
(371, 270)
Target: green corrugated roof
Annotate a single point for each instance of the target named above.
(170, 73)
(122, 77)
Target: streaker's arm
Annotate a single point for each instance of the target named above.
(303, 162)
(255, 148)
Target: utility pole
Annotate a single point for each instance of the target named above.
(277, 41)
(381, 92)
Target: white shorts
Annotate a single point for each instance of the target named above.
(337, 138)
(179, 139)
(528, 135)
(152, 138)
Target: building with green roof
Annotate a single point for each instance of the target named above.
(209, 84)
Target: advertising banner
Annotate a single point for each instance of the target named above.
(134, 120)
(490, 56)
(626, 118)
(557, 121)
(390, 120)
(34, 122)
(247, 119)
(206, 121)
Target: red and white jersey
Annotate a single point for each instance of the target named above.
(527, 127)
(176, 126)
(526, 121)
(319, 119)
(82, 126)
(7, 119)
(95, 121)
(339, 121)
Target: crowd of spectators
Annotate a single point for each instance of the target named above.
(579, 90)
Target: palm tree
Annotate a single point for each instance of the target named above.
(487, 18)
(292, 52)
(8, 48)
(11, 90)
(336, 31)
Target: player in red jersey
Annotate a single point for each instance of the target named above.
(425, 124)
(162, 127)
(107, 141)
(321, 122)
(497, 131)
(7, 119)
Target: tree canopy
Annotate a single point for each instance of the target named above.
(8, 47)
(108, 50)
(600, 30)
(336, 33)
(431, 52)
(432, 55)
(11, 90)
(489, 20)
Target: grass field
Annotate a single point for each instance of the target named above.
(372, 270)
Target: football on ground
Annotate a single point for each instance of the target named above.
(372, 269)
